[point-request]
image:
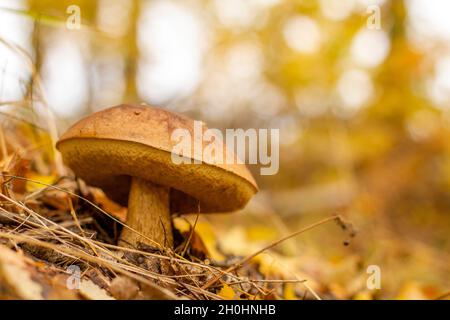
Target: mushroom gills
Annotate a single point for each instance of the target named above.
(148, 214)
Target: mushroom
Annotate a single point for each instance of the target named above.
(126, 151)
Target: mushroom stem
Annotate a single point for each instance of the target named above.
(149, 214)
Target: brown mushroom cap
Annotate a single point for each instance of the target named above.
(109, 147)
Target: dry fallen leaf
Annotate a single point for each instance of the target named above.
(16, 281)
(18, 167)
(108, 205)
(123, 288)
(91, 291)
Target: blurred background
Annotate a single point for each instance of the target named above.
(360, 90)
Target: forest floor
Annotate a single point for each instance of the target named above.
(58, 242)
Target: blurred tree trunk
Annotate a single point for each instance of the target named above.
(132, 55)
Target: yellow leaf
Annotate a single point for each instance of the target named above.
(411, 291)
(289, 292)
(34, 186)
(338, 290)
(268, 265)
(206, 233)
(363, 295)
(261, 233)
(227, 292)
